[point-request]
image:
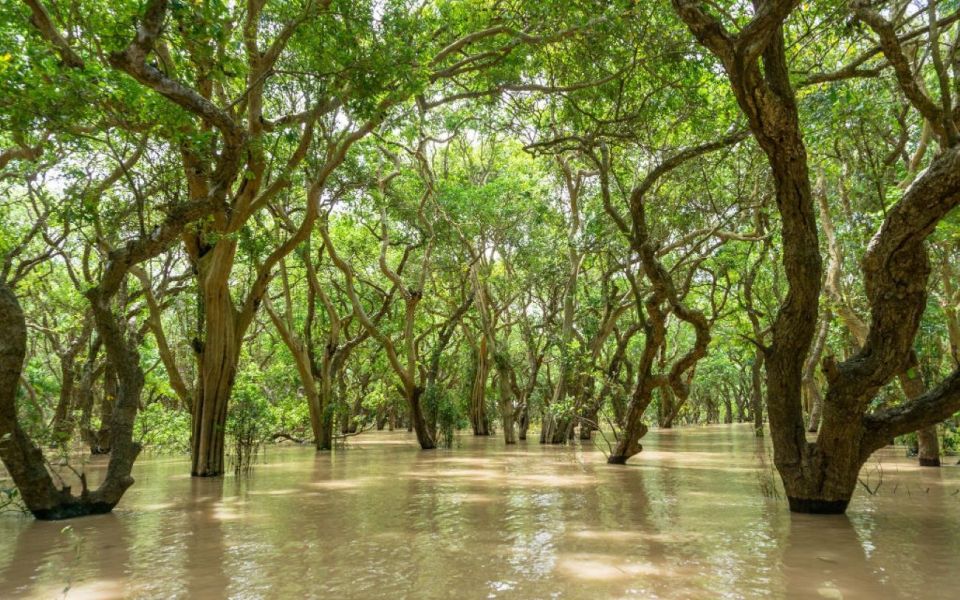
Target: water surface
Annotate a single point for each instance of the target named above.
(688, 518)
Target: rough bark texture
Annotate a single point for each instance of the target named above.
(821, 477)
(218, 355)
(25, 461)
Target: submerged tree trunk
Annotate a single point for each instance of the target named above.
(478, 391)
(821, 477)
(523, 421)
(588, 422)
(218, 355)
(928, 447)
(928, 441)
(555, 424)
(505, 400)
(418, 421)
(756, 397)
(25, 461)
(667, 411)
(628, 444)
(326, 409)
(85, 394)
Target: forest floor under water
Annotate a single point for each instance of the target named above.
(695, 515)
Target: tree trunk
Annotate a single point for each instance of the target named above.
(478, 392)
(417, 420)
(812, 390)
(218, 357)
(756, 399)
(99, 440)
(628, 444)
(350, 418)
(325, 437)
(25, 461)
(553, 428)
(588, 422)
(85, 394)
(928, 446)
(326, 407)
(507, 408)
(928, 441)
(62, 424)
(523, 422)
(667, 411)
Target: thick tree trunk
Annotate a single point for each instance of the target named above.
(25, 461)
(523, 422)
(325, 402)
(553, 429)
(325, 433)
(628, 444)
(217, 368)
(417, 420)
(478, 392)
(210, 416)
(667, 412)
(928, 447)
(588, 422)
(505, 401)
(928, 441)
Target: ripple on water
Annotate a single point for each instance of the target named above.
(685, 519)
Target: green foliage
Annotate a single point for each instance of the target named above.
(163, 429)
(473, 136)
(250, 420)
(10, 500)
(449, 414)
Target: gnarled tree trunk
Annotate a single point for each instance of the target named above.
(821, 477)
(25, 461)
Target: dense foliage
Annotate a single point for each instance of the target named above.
(230, 224)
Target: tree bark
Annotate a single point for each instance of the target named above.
(821, 477)
(928, 441)
(478, 391)
(218, 354)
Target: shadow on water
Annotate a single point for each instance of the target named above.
(824, 557)
(687, 518)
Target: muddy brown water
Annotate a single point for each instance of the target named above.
(688, 518)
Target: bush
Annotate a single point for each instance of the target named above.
(160, 428)
(951, 438)
(251, 420)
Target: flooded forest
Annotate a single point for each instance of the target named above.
(479, 299)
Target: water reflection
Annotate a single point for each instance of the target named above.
(686, 519)
(825, 558)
